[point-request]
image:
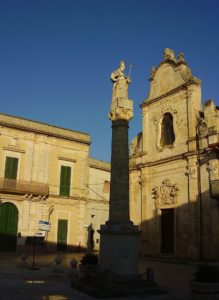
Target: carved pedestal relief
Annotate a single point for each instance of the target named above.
(166, 195)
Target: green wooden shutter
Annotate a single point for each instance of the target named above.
(65, 179)
(11, 166)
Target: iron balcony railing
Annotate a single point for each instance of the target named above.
(23, 187)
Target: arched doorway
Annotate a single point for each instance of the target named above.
(8, 226)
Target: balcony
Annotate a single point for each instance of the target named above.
(23, 187)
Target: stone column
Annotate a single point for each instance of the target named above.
(119, 187)
(119, 237)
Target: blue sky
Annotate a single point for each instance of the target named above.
(56, 56)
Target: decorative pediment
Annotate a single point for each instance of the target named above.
(171, 73)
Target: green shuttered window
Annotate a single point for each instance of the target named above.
(65, 180)
(11, 166)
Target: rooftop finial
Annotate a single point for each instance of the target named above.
(168, 54)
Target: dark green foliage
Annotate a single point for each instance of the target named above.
(207, 273)
(89, 259)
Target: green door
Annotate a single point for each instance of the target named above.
(8, 227)
(62, 235)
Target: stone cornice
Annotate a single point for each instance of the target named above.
(67, 159)
(164, 160)
(43, 128)
(99, 164)
(14, 149)
(65, 200)
(104, 201)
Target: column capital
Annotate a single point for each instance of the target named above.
(121, 109)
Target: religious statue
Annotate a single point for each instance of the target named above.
(120, 82)
(121, 107)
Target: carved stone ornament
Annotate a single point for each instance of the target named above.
(121, 113)
(191, 172)
(152, 72)
(167, 195)
(202, 127)
(181, 57)
(169, 54)
(212, 168)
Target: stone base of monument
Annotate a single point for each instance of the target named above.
(119, 248)
(117, 273)
(106, 285)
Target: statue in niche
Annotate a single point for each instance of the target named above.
(120, 82)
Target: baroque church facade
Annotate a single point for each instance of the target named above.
(174, 166)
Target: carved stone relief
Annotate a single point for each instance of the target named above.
(166, 195)
(212, 168)
(191, 172)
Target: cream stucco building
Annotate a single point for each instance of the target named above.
(174, 166)
(49, 186)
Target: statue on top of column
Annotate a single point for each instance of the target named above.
(121, 107)
(120, 82)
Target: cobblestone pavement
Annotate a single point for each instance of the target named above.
(43, 284)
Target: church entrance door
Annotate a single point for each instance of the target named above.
(167, 231)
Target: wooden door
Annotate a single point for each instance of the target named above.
(8, 227)
(167, 231)
(62, 235)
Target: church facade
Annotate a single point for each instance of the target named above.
(174, 166)
(49, 186)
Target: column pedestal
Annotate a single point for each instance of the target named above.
(119, 249)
